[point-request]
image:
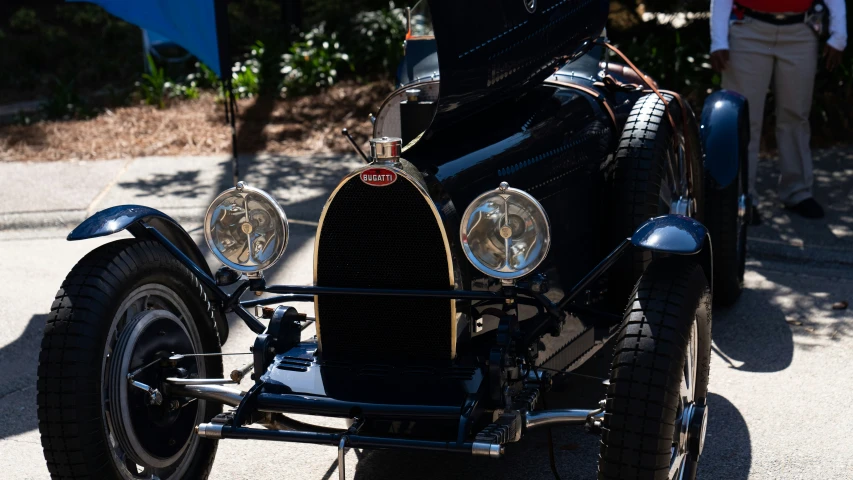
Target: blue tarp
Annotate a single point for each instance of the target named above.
(188, 23)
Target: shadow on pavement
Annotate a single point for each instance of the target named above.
(833, 188)
(183, 184)
(250, 132)
(19, 361)
(808, 310)
(728, 448)
(750, 342)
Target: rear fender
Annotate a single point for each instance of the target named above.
(129, 217)
(677, 235)
(725, 136)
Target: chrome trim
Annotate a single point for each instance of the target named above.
(551, 418)
(386, 150)
(401, 174)
(504, 191)
(199, 381)
(209, 430)
(483, 449)
(683, 206)
(427, 87)
(214, 393)
(245, 188)
(342, 469)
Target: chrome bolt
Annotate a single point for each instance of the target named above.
(503, 186)
(155, 397)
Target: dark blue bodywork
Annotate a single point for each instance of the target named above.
(674, 234)
(725, 136)
(123, 217)
(135, 219)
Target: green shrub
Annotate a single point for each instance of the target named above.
(677, 58)
(378, 42)
(65, 103)
(187, 90)
(313, 63)
(205, 77)
(245, 76)
(24, 20)
(154, 85)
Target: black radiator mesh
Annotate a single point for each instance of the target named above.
(382, 237)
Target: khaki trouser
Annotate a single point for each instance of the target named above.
(758, 52)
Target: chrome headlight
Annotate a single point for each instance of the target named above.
(505, 233)
(246, 228)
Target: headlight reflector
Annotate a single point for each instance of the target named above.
(246, 229)
(505, 233)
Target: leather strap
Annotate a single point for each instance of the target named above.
(645, 80)
(649, 83)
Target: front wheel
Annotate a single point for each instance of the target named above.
(656, 412)
(120, 313)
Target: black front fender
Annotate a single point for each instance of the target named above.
(725, 136)
(130, 218)
(677, 235)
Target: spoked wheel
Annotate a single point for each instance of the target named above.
(126, 308)
(688, 439)
(149, 431)
(656, 412)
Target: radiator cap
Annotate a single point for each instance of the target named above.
(386, 149)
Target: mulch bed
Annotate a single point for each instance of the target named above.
(296, 126)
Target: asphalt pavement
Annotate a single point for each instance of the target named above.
(780, 376)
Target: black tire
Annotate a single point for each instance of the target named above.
(84, 321)
(644, 404)
(640, 185)
(728, 238)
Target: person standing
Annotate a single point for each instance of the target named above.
(753, 41)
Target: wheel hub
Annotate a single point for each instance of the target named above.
(151, 433)
(696, 430)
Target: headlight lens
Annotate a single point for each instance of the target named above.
(505, 233)
(246, 229)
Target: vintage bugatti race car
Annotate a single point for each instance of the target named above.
(525, 202)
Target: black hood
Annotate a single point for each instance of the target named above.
(490, 49)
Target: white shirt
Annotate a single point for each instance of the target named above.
(721, 11)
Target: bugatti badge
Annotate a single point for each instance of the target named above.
(378, 177)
